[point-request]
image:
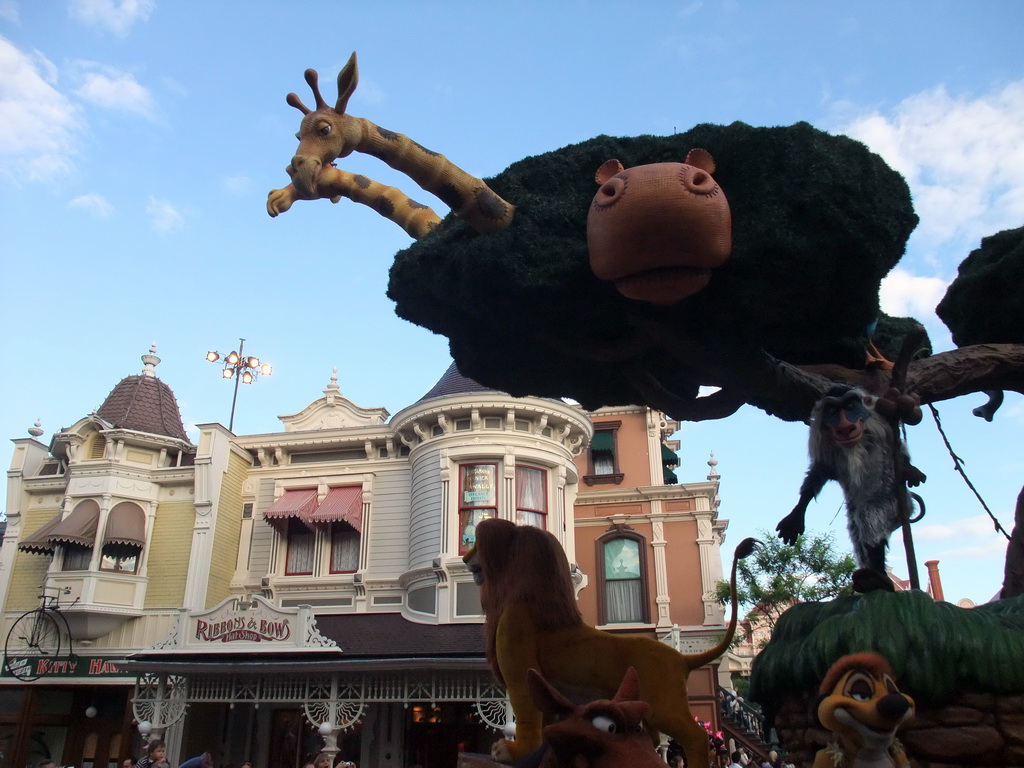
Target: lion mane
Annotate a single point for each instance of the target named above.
(533, 623)
(522, 564)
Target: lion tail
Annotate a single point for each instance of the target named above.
(696, 660)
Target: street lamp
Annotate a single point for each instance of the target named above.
(240, 368)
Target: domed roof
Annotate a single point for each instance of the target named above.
(143, 403)
(454, 383)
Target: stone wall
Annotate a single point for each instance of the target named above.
(975, 729)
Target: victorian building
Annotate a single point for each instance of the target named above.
(264, 596)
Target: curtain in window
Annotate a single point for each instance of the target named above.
(531, 497)
(622, 601)
(530, 489)
(300, 554)
(77, 557)
(604, 463)
(344, 548)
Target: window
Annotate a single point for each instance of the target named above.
(344, 548)
(531, 497)
(299, 561)
(622, 594)
(602, 460)
(123, 558)
(76, 557)
(478, 500)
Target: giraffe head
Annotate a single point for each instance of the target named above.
(326, 133)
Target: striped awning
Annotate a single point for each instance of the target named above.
(298, 503)
(126, 524)
(79, 527)
(38, 542)
(341, 504)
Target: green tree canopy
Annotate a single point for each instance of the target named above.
(778, 575)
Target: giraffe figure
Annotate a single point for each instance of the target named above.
(328, 133)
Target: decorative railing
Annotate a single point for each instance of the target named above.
(746, 716)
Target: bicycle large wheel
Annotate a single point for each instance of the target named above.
(33, 640)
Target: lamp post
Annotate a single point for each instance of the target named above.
(240, 368)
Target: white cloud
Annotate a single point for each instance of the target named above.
(117, 16)
(112, 88)
(163, 216)
(904, 294)
(9, 11)
(94, 204)
(236, 185)
(39, 126)
(975, 529)
(963, 159)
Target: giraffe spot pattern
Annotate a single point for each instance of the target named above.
(451, 196)
(361, 181)
(430, 152)
(384, 206)
(386, 134)
(413, 204)
(489, 204)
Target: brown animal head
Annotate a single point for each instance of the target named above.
(326, 133)
(608, 733)
(860, 703)
(657, 231)
(519, 563)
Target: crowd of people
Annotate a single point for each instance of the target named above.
(156, 757)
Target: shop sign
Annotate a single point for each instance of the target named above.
(235, 621)
(250, 628)
(65, 666)
(238, 624)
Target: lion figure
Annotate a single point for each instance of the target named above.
(533, 622)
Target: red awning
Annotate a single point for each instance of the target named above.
(126, 524)
(38, 542)
(300, 504)
(79, 527)
(341, 504)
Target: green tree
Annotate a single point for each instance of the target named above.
(778, 575)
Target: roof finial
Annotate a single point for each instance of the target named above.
(332, 388)
(713, 462)
(36, 429)
(151, 361)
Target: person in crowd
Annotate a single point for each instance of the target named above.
(204, 760)
(156, 752)
(736, 760)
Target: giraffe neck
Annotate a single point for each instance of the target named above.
(468, 197)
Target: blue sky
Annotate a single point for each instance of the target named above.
(139, 139)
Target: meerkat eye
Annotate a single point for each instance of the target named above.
(859, 687)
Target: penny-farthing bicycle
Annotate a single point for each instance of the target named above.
(38, 636)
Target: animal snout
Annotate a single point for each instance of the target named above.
(893, 706)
